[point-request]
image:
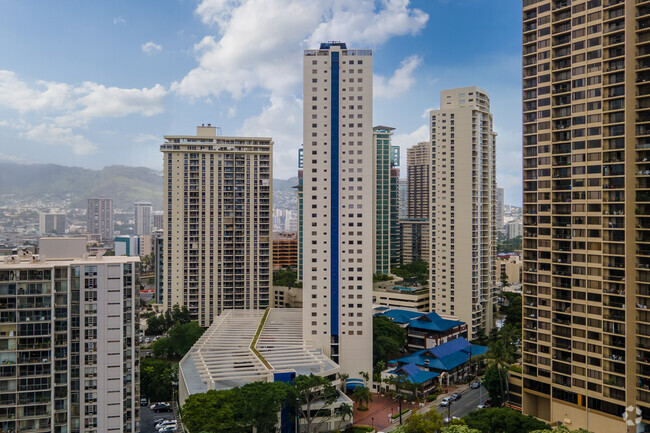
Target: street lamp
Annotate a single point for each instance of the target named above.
(372, 422)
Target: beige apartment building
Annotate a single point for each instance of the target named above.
(414, 240)
(418, 167)
(338, 227)
(462, 276)
(218, 244)
(586, 240)
(68, 350)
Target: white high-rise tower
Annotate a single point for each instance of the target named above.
(338, 221)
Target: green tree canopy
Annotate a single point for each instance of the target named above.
(513, 311)
(458, 429)
(430, 422)
(156, 378)
(157, 325)
(237, 410)
(495, 384)
(387, 339)
(286, 277)
(309, 390)
(502, 420)
(417, 269)
(362, 396)
(180, 341)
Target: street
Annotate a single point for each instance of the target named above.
(466, 404)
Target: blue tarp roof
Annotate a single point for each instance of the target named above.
(429, 321)
(413, 374)
(445, 357)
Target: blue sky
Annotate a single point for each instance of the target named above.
(90, 83)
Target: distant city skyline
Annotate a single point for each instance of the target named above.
(86, 108)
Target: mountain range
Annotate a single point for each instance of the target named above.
(124, 184)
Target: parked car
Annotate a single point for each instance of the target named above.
(488, 402)
(143, 402)
(446, 401)
(161, 407)
(475, 385)
(164, 427)
(168, 429)
(456, 396)
(165, 423)
(481, 406)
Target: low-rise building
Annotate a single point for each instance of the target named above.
(409, 298)
(286, 297)
(231, 353)
(450, 360)
(428, 330)
(511, 267)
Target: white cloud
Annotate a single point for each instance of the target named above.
(401, 81)
(52, 134)
(282, 121)
(425, 113)
(259, 42)
(58, 108)
(119, 20)
(141, 138)
(151, 48)
(15, 159)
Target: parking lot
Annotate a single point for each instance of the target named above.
(147, 417)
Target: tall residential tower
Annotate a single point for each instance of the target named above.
(463, 217)
(217, 244)
(418, 167)
(338, 207)
(142, 218)
(586, 210)
(99, 219)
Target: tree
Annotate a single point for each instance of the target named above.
(162, 348)
(344, 379)
(494, 381)
(365, 376)
(387, 339)
(430, 422)
(157, 378)
(513, 311)
(183, 337)
(504, 279)
(210, 411)
(458, 429)
(379, 367)
(418, 270)
(258, 404)
(345, 411)
(309, 390)
(502, 420)
(362, 397)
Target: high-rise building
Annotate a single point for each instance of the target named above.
(463, 218)
(51, 223)
(403, 197)
(99, 219)
(418, 165)
(586, 228)
(142, 218)
(158, 242)
(219, 203)
(500, 208)
(300, 215)
(338, 207)
(414, 240)
(386, 200)
(158, 220)
(68, 348)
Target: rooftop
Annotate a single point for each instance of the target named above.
(225, 357)
(445, 357)
(429, 321)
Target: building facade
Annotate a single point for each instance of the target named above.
(403, 197)
(414, 240)
(386, 199)
(418, 167)
(463, 218)
(158, 220)
(68, 355)
(338, 209)
(586, 211)
(143, 214)
(51, 223)
(500, 208)
(158, 242)
(99, 219)
(285, 250)
(218, 244)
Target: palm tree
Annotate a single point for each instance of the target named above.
(346, 411)
(362, 397)
(344, 378)
(500, 357)
(365, 375)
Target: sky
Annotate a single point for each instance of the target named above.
(92, 83)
